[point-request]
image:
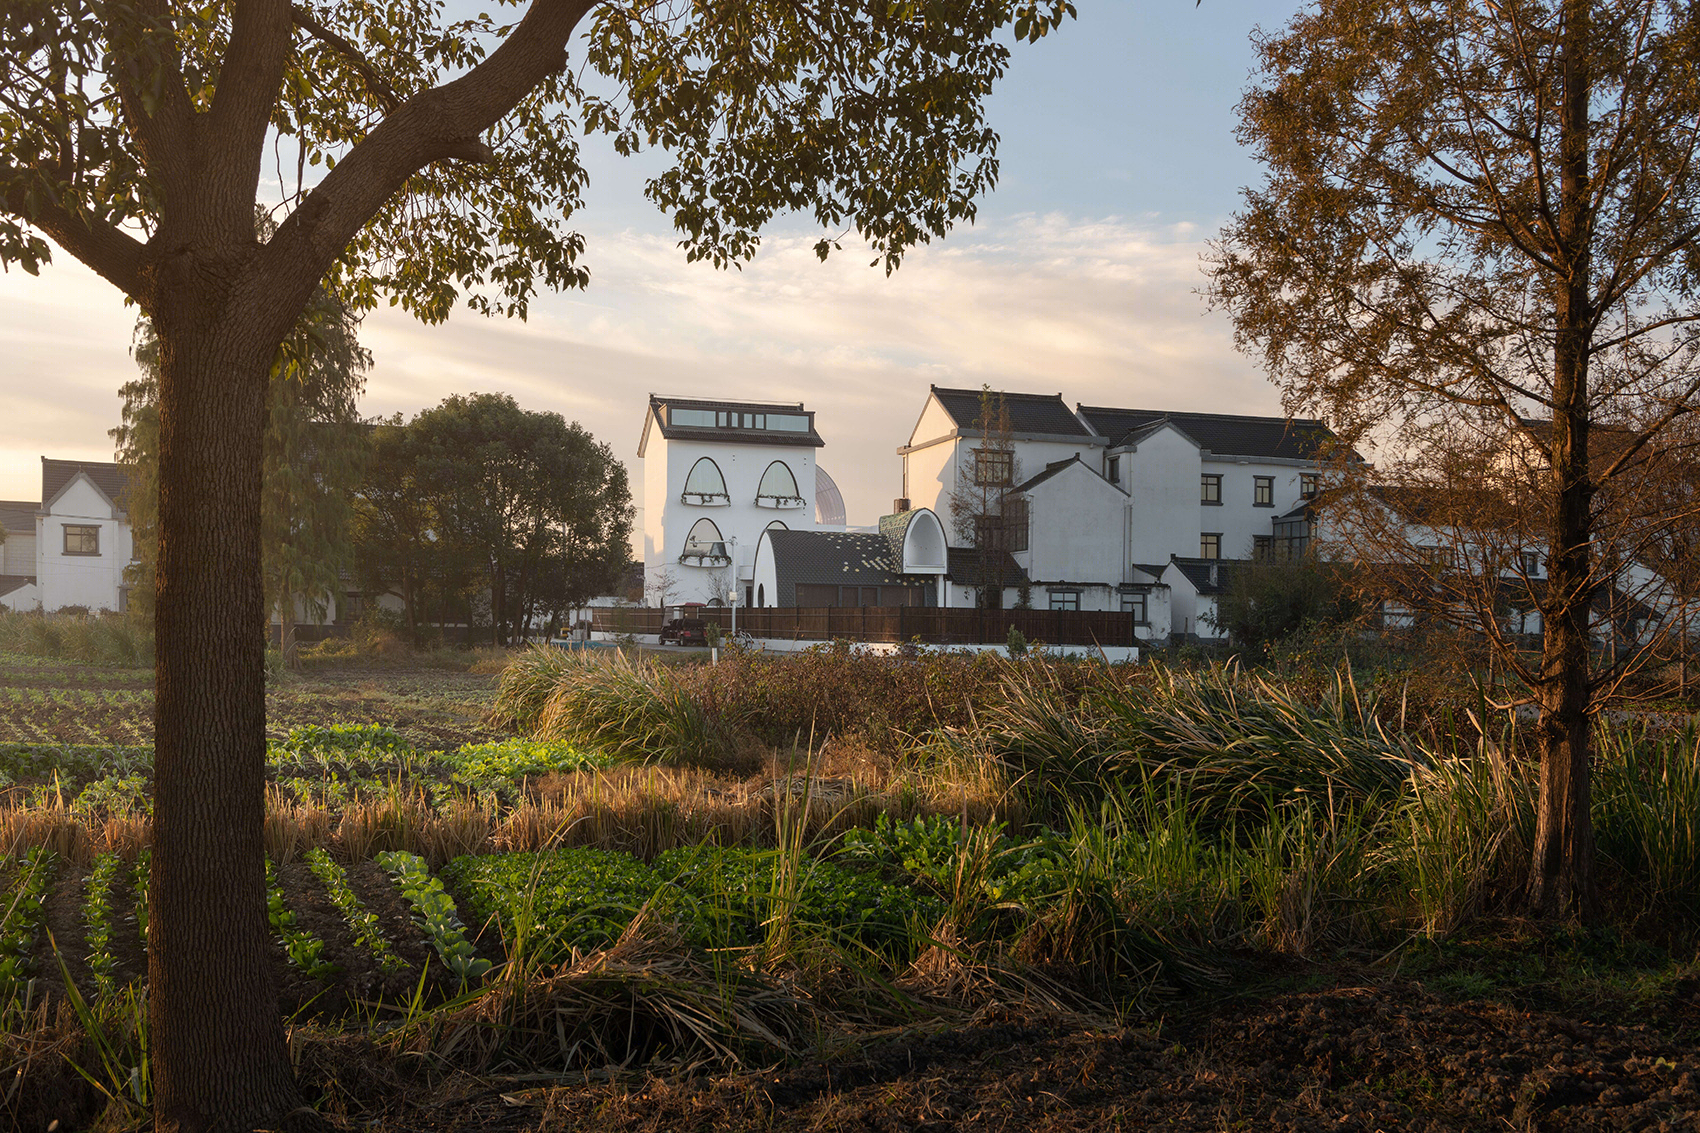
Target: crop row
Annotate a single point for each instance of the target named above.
(22, 911)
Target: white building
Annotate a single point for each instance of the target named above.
(716, 474)
(72, 547)
(1114, 509)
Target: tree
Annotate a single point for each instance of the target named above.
(538, 502)
(1267, 602)
(984, 511)
(1477, 234)
(133, 136)
(314, 448)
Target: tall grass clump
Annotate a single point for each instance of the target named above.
(633, 709)
(1647, 813)
(95, 639)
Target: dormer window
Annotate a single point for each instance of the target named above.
(778, 488)
(705, 486)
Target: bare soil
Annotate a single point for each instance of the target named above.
(1385, 1055)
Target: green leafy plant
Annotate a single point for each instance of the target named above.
(97, 921)
(553, 900)
(304, 950)
(362, 922)
(435, 912)
(21, 918)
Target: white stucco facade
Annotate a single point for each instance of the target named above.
(710, 490)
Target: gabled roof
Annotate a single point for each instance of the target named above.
(656, 417)
(1052, 469)
(1224, 434)
(1045, 414)
(964, 567)
(844, 558)
(110, 478)
(1208, 576)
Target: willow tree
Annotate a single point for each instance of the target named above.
(424, 158)
(1480, 219)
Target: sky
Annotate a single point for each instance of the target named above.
(1081, 276)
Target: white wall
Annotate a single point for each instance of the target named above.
(1161, 474)
(1237, 517)
(81, 580)
(1075, 532)
(668, 520)
(17, 554)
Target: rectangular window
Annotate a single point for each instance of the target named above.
(698, 417)
(1309, 484)
(1263, 491)
(1532, 564)
(82, 539)
(1211, 488)
(989, 532)
(993, 466)
(788, 422)
(1115, 470)
(1135, 604)
(1263, 548)
(1210, 545)
(1015, 524)
(1435, 556)
(1065, 599)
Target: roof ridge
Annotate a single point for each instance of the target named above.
(1192, 413)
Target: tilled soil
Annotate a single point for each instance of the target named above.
(1365, 1058)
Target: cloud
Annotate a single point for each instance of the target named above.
(1104, 310)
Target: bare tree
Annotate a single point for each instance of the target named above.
(1480, 221)
(985, 512)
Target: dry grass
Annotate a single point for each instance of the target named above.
(55, 827)
(645, 998)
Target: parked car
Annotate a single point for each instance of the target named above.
(684, 631)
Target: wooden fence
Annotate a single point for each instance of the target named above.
(931, 625)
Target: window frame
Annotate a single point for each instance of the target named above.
(83, 530)
(1310, 483)
(1015, 525)
(1064, 595)
(1138, 603)
(987, 457)
(1210, 540)
(1263, 491)
(1210, 489)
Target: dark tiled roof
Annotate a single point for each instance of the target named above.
(1222, 433)
(1199, 572)
(658, 420)
(1044, 413)
(108, 477)
(963, 567)
(11, 582)
(1155, 570)
(18, 515)
(1051, 470)
(844, 558)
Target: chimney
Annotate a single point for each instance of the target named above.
(900, 505)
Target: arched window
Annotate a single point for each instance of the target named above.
(705, 486)
(703, 546)
(778, 487)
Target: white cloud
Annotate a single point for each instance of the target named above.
(1104, 311)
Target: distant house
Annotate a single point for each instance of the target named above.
(71, 548)
(1136, 510)
(717, 474)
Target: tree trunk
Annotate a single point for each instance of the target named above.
(219, 1060)
(1561, 872)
